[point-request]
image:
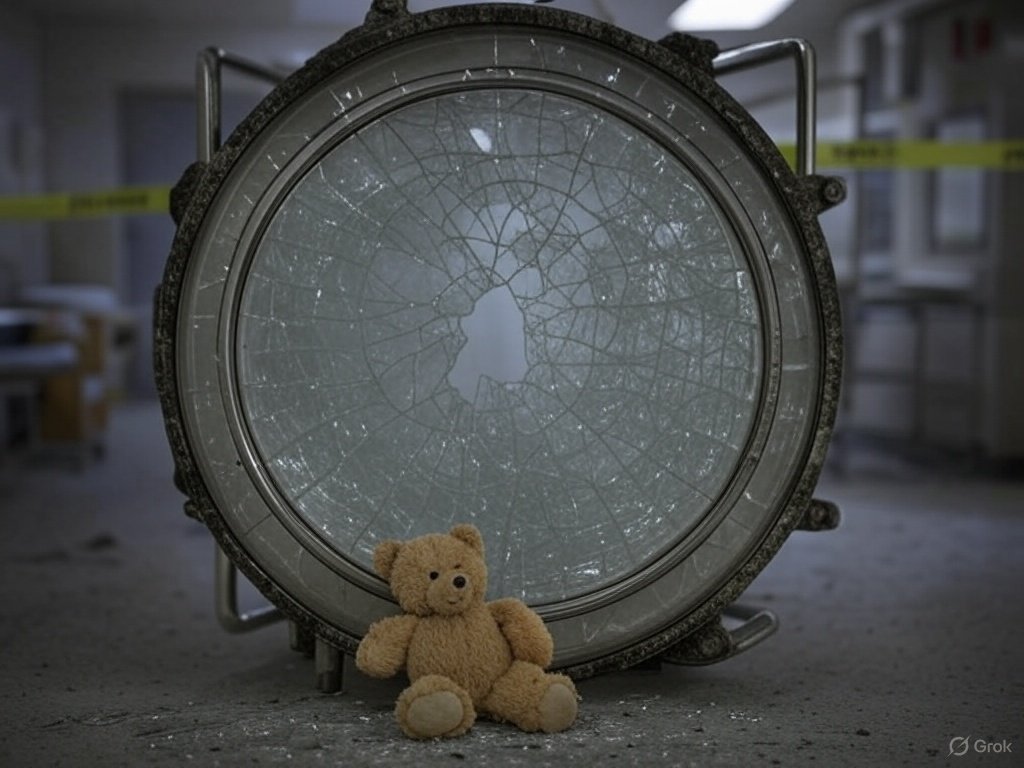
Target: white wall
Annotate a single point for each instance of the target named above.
(23, 250)
(86, 68)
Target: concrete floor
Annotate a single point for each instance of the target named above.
(900, 632)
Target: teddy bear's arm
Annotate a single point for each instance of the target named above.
(382, 652)
(524, 630)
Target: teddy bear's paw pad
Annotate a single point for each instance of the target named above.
(435, 714)
(557, 708)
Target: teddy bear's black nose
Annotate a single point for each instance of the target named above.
(459, 582)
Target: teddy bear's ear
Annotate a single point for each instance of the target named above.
(470, 535)
(384, 557)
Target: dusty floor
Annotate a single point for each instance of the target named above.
(900, 632)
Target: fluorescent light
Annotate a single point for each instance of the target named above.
(726, 14)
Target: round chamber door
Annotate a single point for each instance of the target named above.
(514, 267)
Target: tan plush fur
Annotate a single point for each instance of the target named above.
(463, 655)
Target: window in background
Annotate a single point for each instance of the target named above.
(959, 202)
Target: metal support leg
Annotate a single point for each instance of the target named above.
(713, 643)
(301, 640)
(328, 661)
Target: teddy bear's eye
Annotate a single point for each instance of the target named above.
(434, 575)
(458, 566)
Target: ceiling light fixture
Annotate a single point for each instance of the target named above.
(715, 14)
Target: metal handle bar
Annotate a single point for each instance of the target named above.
(757, 54)
(209, 66)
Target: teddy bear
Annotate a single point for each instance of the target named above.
(464, 656)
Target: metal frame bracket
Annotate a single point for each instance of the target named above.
(226, 592)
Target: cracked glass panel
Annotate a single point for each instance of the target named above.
(506, 307)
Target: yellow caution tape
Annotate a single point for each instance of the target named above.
(916, 155)
(125, 201)
(838, 155)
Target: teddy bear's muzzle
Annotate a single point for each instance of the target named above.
(458, 594)
(452, 594)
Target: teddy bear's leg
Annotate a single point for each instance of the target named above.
(533, 699)
(434, 706)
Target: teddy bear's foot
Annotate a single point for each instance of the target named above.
(435, 714)
(533, 699)
(557, 708)
(435, 707)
